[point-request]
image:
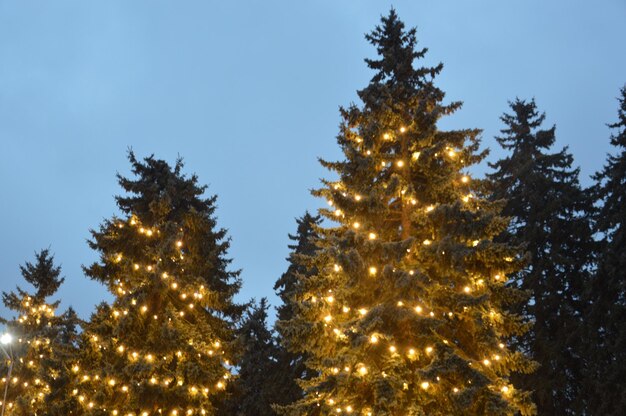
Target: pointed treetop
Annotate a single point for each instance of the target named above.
(160, 190)
(521, 125)
(43, 274)
(619, 139)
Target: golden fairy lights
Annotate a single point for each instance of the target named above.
(191, 298)
(379, 341)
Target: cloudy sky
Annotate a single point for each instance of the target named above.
(247, 93)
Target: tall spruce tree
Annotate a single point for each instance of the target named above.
(255, 389)
(165, 344)
(292, 366)
(606, 377)
(33, 333)
(548, 211)
(408, 311)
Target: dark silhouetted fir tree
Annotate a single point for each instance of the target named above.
(408, 311)
(606, 377)
(292, 366)
(60, 401)
(165, 344)
(255, 389)
(548, 211)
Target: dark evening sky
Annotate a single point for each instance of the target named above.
(248, 94)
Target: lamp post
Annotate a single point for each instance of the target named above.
(5, 340)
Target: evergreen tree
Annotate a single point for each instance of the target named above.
(548, 209)
(164, 345)
(255, 389)
(33, 334)
(58, 367)
(407, 313)
(291, 366)
(606, 378)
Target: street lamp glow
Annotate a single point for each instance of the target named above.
(6, 338)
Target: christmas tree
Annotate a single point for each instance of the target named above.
(408, 311)
(548, 211)
(606, 376)
(291, 366)
(256, 389)
(164, 345)
(30, 340)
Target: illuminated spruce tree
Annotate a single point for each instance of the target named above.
(164, 345)
(606, 373)
(408, 311)
(33, 333)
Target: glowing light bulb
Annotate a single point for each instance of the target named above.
(467, 289)
(400, 163)
(424, 385)
(328, 318)
(179, 244)
(362, 311)
(486, 362)
(336, 267)
(430, 208)
(402, 129)
(505, 389)
(429, 350)
(373, 339)
(372, 270)
(465, 179)
(418, 309)
(392, 348)
(362, 371)
(357, 197)
(501, 345)
(427, 242)
(415, 155)
(386, 136)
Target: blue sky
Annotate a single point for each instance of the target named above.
(248, 93)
